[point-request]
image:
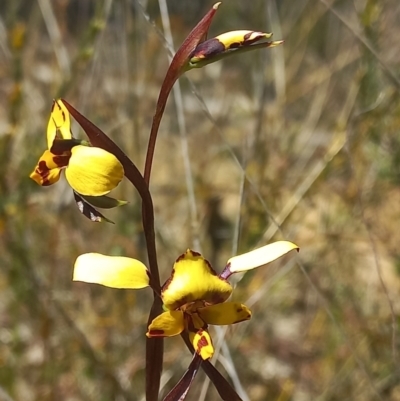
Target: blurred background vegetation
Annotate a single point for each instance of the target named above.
(299, 142)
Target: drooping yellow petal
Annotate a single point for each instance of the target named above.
(202, 343)
(59, 123)
(168, 324)
(93, 171)
(225, 313)
(48, 169)
(260, 256)
(111, 271)
(193, 279)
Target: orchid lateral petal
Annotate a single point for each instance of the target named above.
(48, 169)
(179, 392)
(168, 324)
(93, 171)
(225, 314)
(89, 211)
(194, 279)
(202, 343)
(104, 202)
(226, 41)
(111, 271)
(260, 256)
(59, 125)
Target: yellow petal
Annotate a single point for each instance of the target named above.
(260, 256)
(235, 39)
(202, 343)
(93, 171)
(170, 323)
(224, 314)
(48, 169)
(111, 271)
(193, 279)
(59, 123)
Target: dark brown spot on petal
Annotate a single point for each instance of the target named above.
(212, 271)
(215, 297)
(208, 48)
(63, 146)
(148, 274)
(257, 37)
(248, 35)
(44, 172)
(235, 45)
(167, 283)
(180, 257)
(62, 112)
(203, 342)
(62, 160)
(42, 166)
(156, 333)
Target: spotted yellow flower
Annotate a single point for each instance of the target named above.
(90, 171)
(229, 43)
(194, 297)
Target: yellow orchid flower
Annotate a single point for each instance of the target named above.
(228, 43)
(89, 170)
(194, 296)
